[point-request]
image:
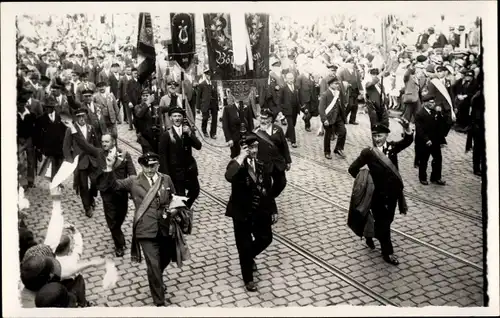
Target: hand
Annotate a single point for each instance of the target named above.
(244, 152)
(429, 143)
(326, 123)
(110, 161)
(453, 117)
(186, 129)
(67, 122)
(130, 105)
(274, 218)
(288, 166)
(230, 143)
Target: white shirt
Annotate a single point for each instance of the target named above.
(155, 177)
(291, 87)
(178, 130)
(69, 263)
(92, 107)
(59, 99)
(384, 146)
(269, 130)
(52, 116)
(251, 162)
(26, 112)
(84, 130)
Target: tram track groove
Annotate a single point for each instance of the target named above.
(299, 250)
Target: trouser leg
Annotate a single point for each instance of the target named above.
(279, 182)
(243, 238)
(341, 132)
(83, 184)
(152, 254)
(424, 153)
(213, 122)
(437, 162)
(115, 210)
(327, 139)
(193, 190)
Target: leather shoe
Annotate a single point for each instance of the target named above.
(206, 135)
(370, 243)
(90, 212)
(424, 182)
(119, 252)
(353, 123)
(477, 173)
(294, 145)
(340, 153)
(391, 259)
(308, 129)
(213, 137)
(251, 287)
(328, 156)
(439, 182)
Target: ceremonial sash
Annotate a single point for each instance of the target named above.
(442, 89)
(386, 162)
(332, 105)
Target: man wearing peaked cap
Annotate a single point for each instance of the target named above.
(252, 206)
(176, 155)
(464, 89)
(152, 193)
(382, 160)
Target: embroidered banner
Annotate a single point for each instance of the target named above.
(146, 55)
(183, 46)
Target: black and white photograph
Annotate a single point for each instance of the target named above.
(254, 158)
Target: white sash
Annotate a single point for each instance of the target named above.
(442, 89)
(332, 104)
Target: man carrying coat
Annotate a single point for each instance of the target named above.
(382, 160)
(251, 205)
(155, 215)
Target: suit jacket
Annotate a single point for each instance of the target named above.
(113, 84)
(338, 111)
(49, 136)
(103, 77)
(289, 101)
(26, 126)
(150, 223)
(122, 88)
(122, 168)
(272, 98)
(351, 77)
(232, 117)
(386, 184)
(176, 154)
(62, 105)
(280, 155)
(133, 92)
(308, 99)
(71, 148)
(428, 127)
(376, 102)
(109, 107)
(207, 98)
(245, 191)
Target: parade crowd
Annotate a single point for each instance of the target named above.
(71, 99)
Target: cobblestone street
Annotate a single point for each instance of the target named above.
(315, 259)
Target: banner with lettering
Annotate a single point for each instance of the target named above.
(238, 50)
(183, 34)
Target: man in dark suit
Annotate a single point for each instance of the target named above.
(132, 97)
(382, 160)
(25, 132)
(233, 116)
(84, 84)
(34, 105)
(87, 165)
(176, 156)
(115, 203)
(94, 112)
(463, 91)
(209, 105)
(476, 136)
(332, 114)
(437, 89)
(273, 150)
(152, 193)
(375, 100)
(271, 98)
(122, 91)
(49, 135)
(251, 205)
(289, 106)
(350, 74)
(148, 122)
(308, 99)
(114, 79)
(430, 135)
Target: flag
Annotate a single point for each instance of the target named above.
(183, 40)
(146, 55)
